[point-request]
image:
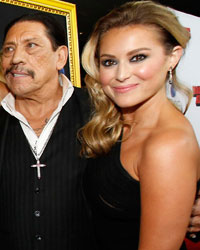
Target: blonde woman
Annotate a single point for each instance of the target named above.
(143, 162)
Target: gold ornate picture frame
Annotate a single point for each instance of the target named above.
(68, 12)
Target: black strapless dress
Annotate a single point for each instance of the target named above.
(114, 198)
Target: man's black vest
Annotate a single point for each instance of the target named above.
(48, 213)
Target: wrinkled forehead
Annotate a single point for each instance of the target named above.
(26, 30)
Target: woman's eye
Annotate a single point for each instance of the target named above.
(108, 62)
(138, 58)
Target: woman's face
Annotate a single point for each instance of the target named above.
(133, 64)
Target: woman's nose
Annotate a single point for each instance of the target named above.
(123, 72)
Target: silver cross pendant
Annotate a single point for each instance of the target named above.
(38, 165)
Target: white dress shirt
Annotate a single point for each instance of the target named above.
(38, 144)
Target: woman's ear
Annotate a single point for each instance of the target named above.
(176, 55)
(62, 53)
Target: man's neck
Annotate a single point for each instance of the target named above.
(38, 111)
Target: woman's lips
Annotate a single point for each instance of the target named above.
(126, 88)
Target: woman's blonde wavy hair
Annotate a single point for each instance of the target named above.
(104, 128)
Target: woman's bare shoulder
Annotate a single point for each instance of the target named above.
(175, 133)
(173, 144)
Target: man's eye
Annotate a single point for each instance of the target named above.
(108, 62)
(8, 50)
(31, 45)
(138, 58)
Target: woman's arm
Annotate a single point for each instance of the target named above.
(168, 177)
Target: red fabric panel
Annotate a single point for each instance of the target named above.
(192, 245)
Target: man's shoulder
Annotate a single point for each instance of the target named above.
(80, 99)
(81, 93)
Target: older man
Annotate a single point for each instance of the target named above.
(42, 206)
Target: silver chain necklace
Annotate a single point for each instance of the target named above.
(39, 165)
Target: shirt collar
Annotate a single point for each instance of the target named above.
(8, 103)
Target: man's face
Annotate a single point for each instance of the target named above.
(29, 64)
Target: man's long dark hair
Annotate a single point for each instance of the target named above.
(55, 31)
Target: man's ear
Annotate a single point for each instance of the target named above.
(176, 55)
(62, 53)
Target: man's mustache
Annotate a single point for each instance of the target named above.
(22, 70)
